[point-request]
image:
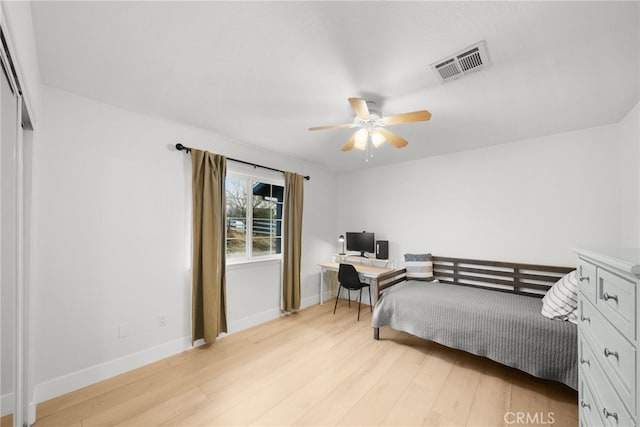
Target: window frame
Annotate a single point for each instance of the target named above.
(249, 178)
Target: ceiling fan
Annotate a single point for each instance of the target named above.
(372, 132)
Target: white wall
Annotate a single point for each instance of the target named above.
(629, 137)
(528, 201)
(253, 295)
(112, 240)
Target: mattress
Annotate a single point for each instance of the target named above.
(503, 327)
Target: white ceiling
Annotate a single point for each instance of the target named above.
(263, 72)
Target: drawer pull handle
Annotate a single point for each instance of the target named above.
(582, 279)
(585, 404)
(608, 353)
(608, 414)
(607, 297)
(585, 362)
(585, 319)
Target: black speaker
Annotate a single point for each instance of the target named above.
(382, 249)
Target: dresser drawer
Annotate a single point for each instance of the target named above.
(587, 405)
(586, 357)
(615, 354)
(587, 279)
(617, 301)
(611, 409)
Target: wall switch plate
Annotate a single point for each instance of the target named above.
(123, 330)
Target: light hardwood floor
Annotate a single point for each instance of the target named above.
(315, 368)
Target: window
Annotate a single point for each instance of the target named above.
(254, 217)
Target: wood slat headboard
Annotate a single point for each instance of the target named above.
(514, 277)
(519, 278)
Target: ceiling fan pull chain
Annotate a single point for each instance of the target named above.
(368, 154)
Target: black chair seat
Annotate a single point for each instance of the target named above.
(348, 278)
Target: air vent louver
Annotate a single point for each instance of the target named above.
(473, 58)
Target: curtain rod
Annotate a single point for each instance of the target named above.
(181, 147)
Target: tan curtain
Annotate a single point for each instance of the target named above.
(291, 254)
(209, 317)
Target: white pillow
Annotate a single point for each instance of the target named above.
(561, 301)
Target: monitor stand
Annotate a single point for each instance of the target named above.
(363, 255)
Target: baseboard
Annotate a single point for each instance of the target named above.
(312, 300)
(76, 380)
(307, 302)
(253, 320)
(6, 404)
(68, 383)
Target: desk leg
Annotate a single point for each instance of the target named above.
(321, 285)
(374, 285)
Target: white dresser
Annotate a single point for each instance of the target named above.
(608, 328)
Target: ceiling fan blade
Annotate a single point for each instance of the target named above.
(346, 125)
(393, 139)
(415, 116)
(359, 107)
(349, 145)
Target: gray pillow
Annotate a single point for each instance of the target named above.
(419, 266)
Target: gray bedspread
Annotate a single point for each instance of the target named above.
(504, 327)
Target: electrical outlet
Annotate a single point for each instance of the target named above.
(162, 320)
(123, 330)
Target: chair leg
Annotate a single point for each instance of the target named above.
(359, 301)
(370, 303)
(337, 298)
(349, 290)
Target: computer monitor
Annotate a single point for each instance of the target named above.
(361, 242)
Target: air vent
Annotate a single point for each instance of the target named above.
(473, 58)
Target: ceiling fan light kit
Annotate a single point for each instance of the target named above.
(372, 132)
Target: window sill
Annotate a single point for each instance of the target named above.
(241, 262)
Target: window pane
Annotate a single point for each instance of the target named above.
(263, 228)
(236, 227)
(236, 248)
(278, 229)
(236, 209)
(236, 197)
(266, 246)
(263, 208)
(261, 246)
(277, 192)
(263, 205)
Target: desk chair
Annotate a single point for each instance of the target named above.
(349, 279)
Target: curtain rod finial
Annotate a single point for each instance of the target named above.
(181, 147)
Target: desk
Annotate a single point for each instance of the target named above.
(369, 272)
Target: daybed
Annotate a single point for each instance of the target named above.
(487, 308)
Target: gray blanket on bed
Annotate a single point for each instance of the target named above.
(504, 327)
